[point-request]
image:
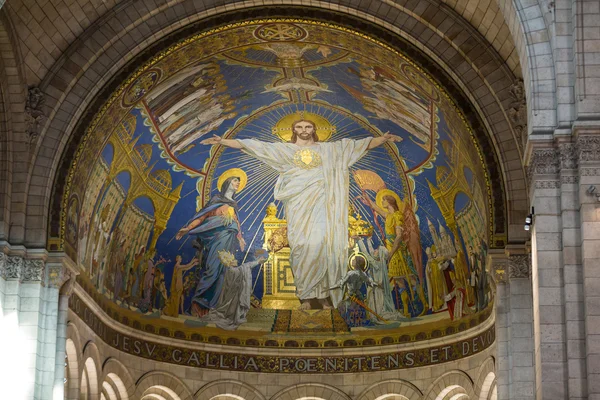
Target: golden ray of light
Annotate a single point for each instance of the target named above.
(261, 178)
(264, 180)
(252, 203)
(242, 161)
(375, 165)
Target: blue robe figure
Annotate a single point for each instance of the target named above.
(217, 228)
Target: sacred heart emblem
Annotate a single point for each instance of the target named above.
(307, 159)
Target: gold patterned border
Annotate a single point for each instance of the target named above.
(293, 364)
(363, 338)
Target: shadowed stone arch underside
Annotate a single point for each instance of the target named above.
(492, 97)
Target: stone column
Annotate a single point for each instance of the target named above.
(62, 275)
(547, 273)
(28, 322)
(499, 268)
(588, 143)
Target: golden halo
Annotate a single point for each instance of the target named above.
(388, 192)
(283, 128)
(358, 255)
(238, 172)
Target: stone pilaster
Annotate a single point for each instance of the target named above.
(588, 144)
(522, 344)
(572, 278)
(499, 271)
(547, 273)
(61, 275)
(29, 299)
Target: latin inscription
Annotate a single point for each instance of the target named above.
(240, 362)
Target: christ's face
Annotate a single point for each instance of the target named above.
(304, 129)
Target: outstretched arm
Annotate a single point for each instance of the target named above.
(387, 137)
(233, 143)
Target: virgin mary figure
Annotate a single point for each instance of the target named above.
(217, 228)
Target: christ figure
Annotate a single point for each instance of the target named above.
(313, 186)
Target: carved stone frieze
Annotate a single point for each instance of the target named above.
(553, 184)
(569, 179)
(3, 261)
(519, 266)
(19, 268)
(33, 270)
(589, 171)
(543, 162)
(14, 267)
(568, 155)
(517, 112)
(588, 148)
(34, 115)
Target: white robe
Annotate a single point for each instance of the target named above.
(379, 298)
(234, 302)
(316, 209)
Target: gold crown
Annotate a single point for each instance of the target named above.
(227, 259)
(359, 227)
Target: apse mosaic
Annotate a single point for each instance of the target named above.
(280, 179)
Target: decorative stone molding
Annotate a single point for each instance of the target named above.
(14, 267)
(517, 113)
(34, 116)
(569, 179)
(544, 162)
(22, 269)
(499, 272)
(588, 148)
(519, 266)
(33, 270)
(568, 155)
(547, 184)
(589, 171)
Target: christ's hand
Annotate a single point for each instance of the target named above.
(212, 141)
(215, 140)
(392, 138)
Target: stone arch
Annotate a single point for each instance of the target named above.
(314, 390)
(161, 383)
(449, 384)
(379, 390)
(488, 367)
(115, 373)
(530, 33)
(228, 387)
(73, 371)
(489, 98)
(91, 366)
(109, 392)
(13, 139)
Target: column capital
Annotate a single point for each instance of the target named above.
(35, 265)
(61, 272)
(22, 264)
(497, 260)
(518, 261)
